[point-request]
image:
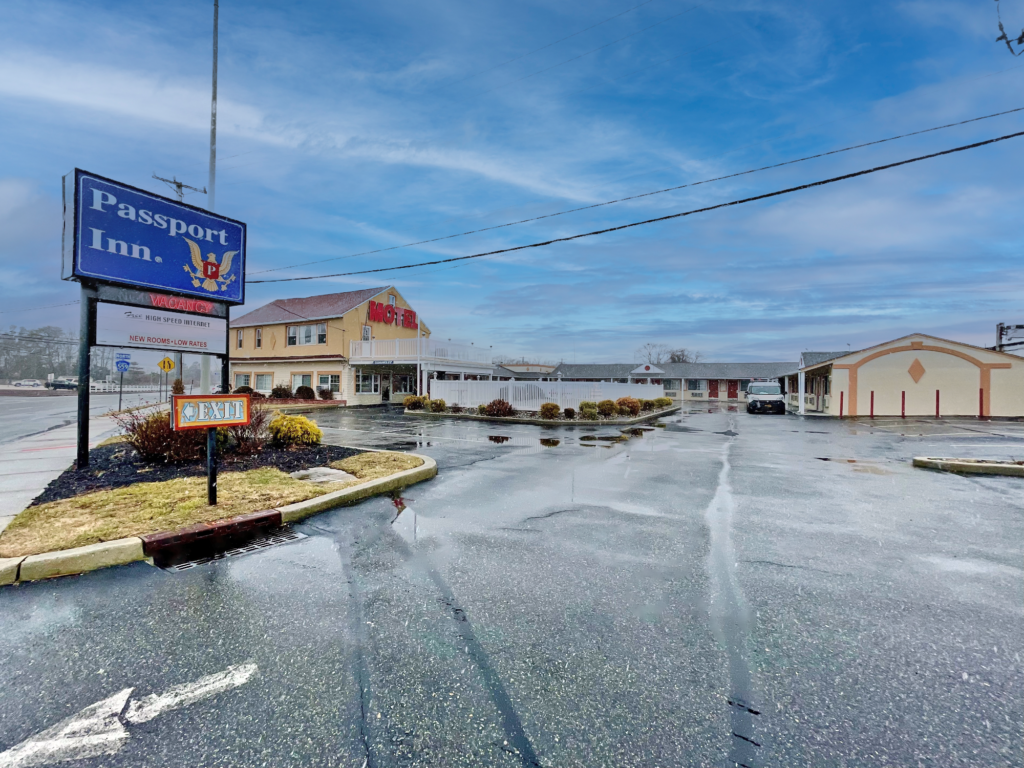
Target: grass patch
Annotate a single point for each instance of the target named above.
(376, 464)
(114, 440)
(148, 508)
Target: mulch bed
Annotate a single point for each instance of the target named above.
(118, 465)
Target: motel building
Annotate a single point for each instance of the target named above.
(916, 375)
(702, 382)
(369, 347)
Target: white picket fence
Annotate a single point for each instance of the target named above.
(529, 395)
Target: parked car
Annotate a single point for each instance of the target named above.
(62, 384)
(28, 383)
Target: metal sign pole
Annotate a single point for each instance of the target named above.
(120, 392)
(211, 466)
(86, 334)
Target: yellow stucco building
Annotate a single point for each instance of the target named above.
(368, 346)
(917, 375)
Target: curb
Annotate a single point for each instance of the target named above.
(547, 422)
(81, 559)
(154, 546)
(971, 466)
(303, 509)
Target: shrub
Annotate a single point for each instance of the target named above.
(154, 440)
(244, 390)
(325, 393)
(647, 405)
(481, 410)
(251, 437)
(257, 395)
(499, 408)
(628, 406)
(550, 411)
(586, 405)
(456, 408)
(281, 392)
(589, 413)
(570, 413)
(437, 406)
(413, 402)
(662, 402)
(178, 387)
(305, 393)
(294, 430)
(607, 408)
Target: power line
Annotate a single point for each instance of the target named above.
(643, 194)
(538, 50)
(33, 309)
(765, 196)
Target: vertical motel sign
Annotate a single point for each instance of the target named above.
(131, 248)
(210, 412)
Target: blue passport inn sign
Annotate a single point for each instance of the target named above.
(117, 234)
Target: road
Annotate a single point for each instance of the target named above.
(23, 416)
(726, 590)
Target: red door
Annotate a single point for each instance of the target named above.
(734, 390)
(713, 388)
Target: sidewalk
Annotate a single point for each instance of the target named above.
(28, 465)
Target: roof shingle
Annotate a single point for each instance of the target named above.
(323, 307)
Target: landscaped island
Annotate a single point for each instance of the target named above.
(623, 410)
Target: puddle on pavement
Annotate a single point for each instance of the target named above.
(498, 438)
(550, 442)
(606, 438)
(678, 428)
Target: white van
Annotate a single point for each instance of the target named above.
(765, 397)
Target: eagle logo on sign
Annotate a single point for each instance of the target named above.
(209, 274)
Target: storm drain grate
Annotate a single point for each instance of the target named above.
(272, 538)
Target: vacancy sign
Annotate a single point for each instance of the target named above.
(118, 325)
(205, 411)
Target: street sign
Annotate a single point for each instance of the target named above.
(121, 326)
(166, 365)
(115, 233)
(205, 411)
(123, 356)
(122, 366)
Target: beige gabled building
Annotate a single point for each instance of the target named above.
(916, 375)
(368, 347)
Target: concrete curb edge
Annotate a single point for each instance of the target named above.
(969, 466)
(303, 509)
(70, 562)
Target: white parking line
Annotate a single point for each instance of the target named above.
(146, 709)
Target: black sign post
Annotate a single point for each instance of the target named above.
(86, 335)
(211, 466)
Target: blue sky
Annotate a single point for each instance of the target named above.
(346, 127)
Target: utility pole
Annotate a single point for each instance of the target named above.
(178, 186)
(213, 114)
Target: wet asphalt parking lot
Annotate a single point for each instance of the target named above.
(724, 590)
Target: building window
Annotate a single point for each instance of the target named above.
(366, 333)
(391, 300)
(673, 383)
(264, 382)
(402, 384)
(240, 332)
(367, 383)
(259, 338)
(301, 380)
(241, 380)
(302, 335)
(330, 381)
(697, 385)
